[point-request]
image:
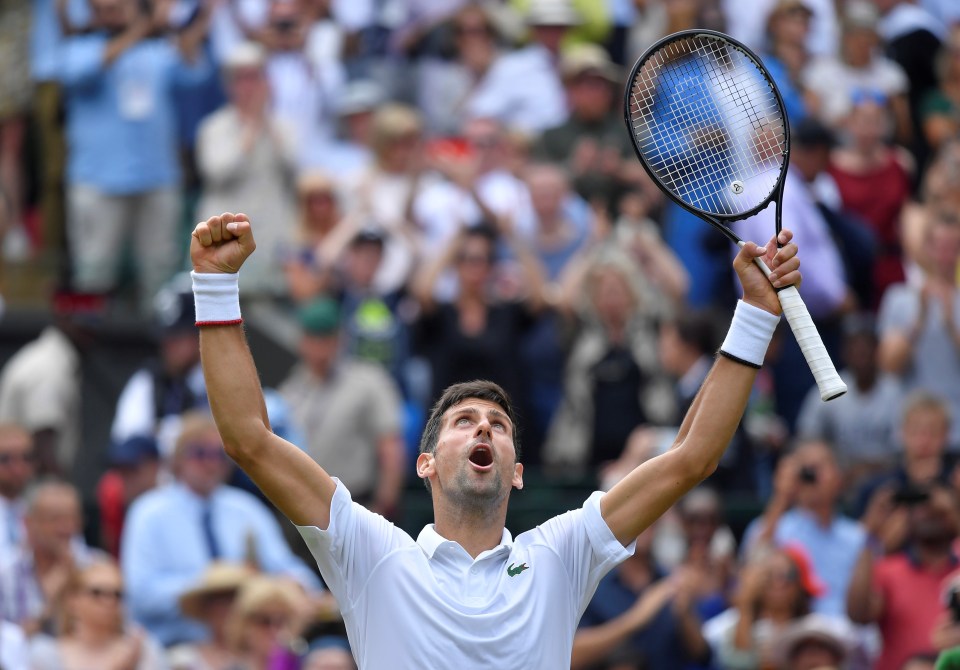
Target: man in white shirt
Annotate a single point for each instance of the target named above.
(466, 594)
(16, 471)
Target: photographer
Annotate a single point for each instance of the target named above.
(803, 510)
(900, 579)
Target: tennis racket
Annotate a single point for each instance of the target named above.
(708, 125)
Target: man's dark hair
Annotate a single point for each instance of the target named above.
(456, 394)
(699, 330)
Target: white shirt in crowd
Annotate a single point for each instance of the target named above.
(427, 604)
(748, 23)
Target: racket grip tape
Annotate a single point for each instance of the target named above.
(808, 337)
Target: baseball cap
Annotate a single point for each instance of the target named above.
(817, 628)
(246, 54)
(320, 316)
(359, 96)
(133, 450)
(174, 310)
(552, 13)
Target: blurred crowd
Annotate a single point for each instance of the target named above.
(444, 190)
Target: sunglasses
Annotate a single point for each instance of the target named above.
(269, 621)
(198, 453)
(98, 593)
(474, 259)
(7, 459)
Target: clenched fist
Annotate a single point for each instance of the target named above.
(221, 244)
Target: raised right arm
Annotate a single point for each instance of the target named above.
(293, 481)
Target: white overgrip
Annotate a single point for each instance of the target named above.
(808, 337)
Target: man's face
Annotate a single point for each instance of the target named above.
(53, 520)
(924, 434)
(813, 654)
(180, 351)
(474, 464)
(590, 96)
(202, 464)
(318, 352)
(113, 15)
(16, 463)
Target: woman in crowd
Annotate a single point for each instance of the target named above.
(209, 602)
(875, 181)
(263, 622)
(319, 238)
(93, 631)
(940, 110)
(775, 591)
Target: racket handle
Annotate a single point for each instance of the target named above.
(808, 337)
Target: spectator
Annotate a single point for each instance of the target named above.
(475, 334)
(925, 426)
(385, 192)
(860, 70)
(926, 318)
(134, 467)
(329, 652)
(786, 54)
(874, 180)
(33, 577)
(174, 532)
(912, 37)
(774, 592)
(613, 379)
(522, 89)
(209, 602)
(123, 173)
(348, 155)
(750, 27)
(156, 395)
(445, 88)
(318, 240)
(940, 108)
(476, 187)
(639, 615)
(264, 617)
(815, 643)
(40, 383)
(804, 512)
(862, 425)
(16, 472)
(247, 156)
(350, 411)
(375, 324)
(902, 591)
(591, 142)
(93, 631)
(564, 223)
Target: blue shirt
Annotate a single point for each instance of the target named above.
(164, 551)
(833, 551)
(121, 119)
(46, 38)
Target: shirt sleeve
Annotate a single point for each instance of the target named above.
(81, 61)
(585, 545)
(898, 312)
(353, 543)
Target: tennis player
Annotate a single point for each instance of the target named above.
(466, 594)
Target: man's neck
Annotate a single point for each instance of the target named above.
(476, 534)
(823, 514)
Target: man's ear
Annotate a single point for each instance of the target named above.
(518, 476)
(425, 465)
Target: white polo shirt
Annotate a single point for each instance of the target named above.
(427, 604)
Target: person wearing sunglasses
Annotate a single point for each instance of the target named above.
(264, 620)
(93, 632)
(173, 533)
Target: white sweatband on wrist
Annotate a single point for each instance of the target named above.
(217, 298)
(749, 336)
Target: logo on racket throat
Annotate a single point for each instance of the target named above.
(737, 187)
(514, 571)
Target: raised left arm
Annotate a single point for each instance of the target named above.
(654, 486)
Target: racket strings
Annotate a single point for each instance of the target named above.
(709, 125)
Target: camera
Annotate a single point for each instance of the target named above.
(808, 474)
(952, 598)
(909, 494)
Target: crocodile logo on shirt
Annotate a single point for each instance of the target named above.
(514, 571)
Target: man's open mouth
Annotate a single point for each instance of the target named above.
(481, 456)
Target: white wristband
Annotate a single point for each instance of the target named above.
(217, 298)
(750, 333)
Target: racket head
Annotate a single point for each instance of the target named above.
(709, 126)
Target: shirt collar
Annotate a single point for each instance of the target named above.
(430, 541)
